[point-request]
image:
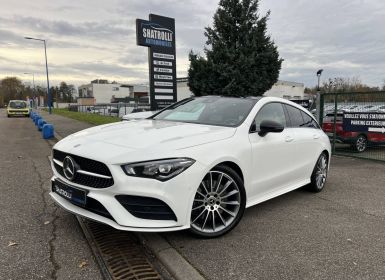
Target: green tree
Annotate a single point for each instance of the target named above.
(240, 57)
(10, 88)
(66, 92)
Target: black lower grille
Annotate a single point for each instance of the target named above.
(86, 165)
(96, 207)
(146, 207)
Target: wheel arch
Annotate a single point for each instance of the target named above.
(233, 166)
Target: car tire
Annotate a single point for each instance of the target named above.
(219, 203)
(360, 143)
(319, 174)
(8, 116)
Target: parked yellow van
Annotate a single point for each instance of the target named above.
(18, 108)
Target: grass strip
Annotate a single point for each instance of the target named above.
(85, 117)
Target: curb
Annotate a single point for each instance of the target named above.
(173, 261)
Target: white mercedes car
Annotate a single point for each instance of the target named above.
(197, 164)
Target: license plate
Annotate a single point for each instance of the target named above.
(70, 193)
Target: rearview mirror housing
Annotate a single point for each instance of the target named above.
(269, 126)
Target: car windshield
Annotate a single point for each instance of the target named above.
(17, 104)
(220, 111)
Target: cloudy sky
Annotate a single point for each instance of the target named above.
(96, 39)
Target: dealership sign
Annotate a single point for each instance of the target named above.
(158, 34)
(365, 122)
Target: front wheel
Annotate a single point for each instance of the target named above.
(361, 143)
(320, 173)
(218, 204)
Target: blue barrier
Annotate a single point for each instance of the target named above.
(48, 131)
(40, 124)
(34, 117)
(32, 114)
(37, 118)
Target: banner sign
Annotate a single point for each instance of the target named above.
(158, 34)
(365, 122)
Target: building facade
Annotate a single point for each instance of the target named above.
(287, 90)
(283, 89)
(104, 92)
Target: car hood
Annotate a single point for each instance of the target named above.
(143, 136)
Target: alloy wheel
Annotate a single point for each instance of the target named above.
(216, 203)
(361, 143)
(321, 171)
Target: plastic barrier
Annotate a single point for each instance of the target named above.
(34, 117)
(40, 124)
(32, 114)
(37, 118)
(48, 131)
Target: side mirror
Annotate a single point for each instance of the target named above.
(269, 126)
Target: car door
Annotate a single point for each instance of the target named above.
(307, 134)
(272, 154)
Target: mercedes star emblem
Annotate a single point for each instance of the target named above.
(69, 168)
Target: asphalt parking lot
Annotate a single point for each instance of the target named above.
(336, 234)
(37, 239)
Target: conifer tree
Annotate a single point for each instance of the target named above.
(240, 59)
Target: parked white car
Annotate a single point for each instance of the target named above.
(194, 165)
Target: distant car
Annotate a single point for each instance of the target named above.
(138, 115)
(196, 164)
(358, 140)
(18, 108)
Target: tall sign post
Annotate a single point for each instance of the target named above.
(158, 34)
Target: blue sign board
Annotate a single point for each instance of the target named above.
(364, 122)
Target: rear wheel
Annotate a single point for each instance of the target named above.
(361, 143)
(218, 204)
(320, 173)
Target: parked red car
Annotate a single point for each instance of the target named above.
(359, 140)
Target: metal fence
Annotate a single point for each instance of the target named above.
(355, 123)
(111, 109)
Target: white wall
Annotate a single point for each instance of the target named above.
(287, 90)
(104, 92)
(183, 91)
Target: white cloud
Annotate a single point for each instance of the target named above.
(96, 39)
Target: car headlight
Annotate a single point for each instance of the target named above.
(161, 170)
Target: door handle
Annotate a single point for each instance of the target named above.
(315, 136)
(289, 139)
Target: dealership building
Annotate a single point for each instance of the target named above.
(102, 91)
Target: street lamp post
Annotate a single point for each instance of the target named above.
(46, 69)
(319, 72)
(319, 107)
(33, 83)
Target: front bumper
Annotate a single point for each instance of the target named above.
(18, 113)
(178, 193)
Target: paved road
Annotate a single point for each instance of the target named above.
(336, 234)
(49, 242)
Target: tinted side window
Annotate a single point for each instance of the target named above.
(272, 112)
(295, 116)
(308, 121)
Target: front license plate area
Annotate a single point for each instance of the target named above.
(75, 195)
